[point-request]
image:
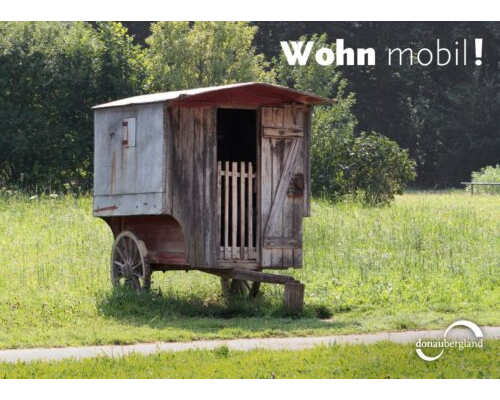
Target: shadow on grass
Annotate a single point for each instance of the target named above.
(204, 315)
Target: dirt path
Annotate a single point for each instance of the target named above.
(290, 343)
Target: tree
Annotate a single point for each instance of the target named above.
(184, 55)
(51, 74)
(379, 169)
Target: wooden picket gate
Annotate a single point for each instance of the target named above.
(235, 203)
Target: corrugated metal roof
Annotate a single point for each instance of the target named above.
(193, 94)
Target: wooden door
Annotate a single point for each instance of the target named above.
(282, 186)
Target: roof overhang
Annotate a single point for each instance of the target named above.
(249, 94)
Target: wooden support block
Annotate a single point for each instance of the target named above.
(294, 296)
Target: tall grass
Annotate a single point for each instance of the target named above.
(437, 252)
(421, 262)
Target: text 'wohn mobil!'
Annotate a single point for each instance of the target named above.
(300, 53)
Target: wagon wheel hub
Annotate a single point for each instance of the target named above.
(127, 270)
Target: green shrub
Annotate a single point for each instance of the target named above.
(379, 169)
(371, 168)
(487, 174)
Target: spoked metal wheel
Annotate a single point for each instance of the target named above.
(236, 287)
(129, 268)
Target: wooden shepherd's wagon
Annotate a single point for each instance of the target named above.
(212, 179)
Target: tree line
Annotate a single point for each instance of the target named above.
(52, 73)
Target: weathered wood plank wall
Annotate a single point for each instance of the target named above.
(128, 177)
(191, 180)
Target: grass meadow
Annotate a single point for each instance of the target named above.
(422, 262)
(381, 360)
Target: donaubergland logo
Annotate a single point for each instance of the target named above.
(445, 343)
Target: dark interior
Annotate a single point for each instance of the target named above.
(237, 141)
(236, 135)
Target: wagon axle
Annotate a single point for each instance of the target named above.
(294, 289)
(130, 269)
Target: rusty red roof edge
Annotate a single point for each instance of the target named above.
(192, 94)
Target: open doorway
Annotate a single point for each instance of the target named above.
(236, 135)
(237, 189)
